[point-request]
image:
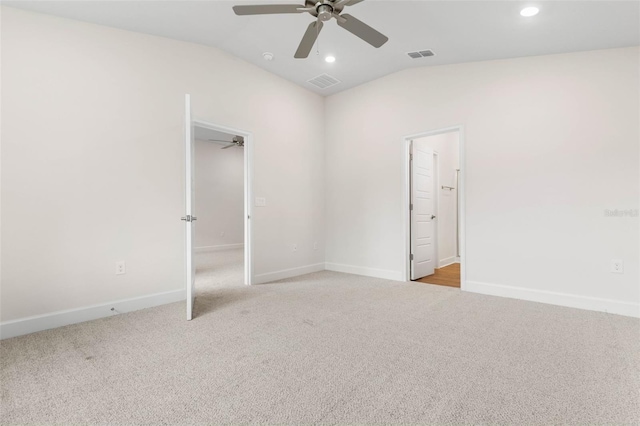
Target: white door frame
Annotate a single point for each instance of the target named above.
(248, 190)
(436, 205)
(406, 212)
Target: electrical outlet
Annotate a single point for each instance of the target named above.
(295, 247)
(222, 234)
(120, 268)
(261, 202)
(315, 245)
(617, 266)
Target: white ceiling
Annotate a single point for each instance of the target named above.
(458, 31)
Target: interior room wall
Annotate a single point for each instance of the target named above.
(93, 162)
(446, 146)
(551, 142)
(219, 189)
(92, 167)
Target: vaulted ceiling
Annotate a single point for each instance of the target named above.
(457, 31)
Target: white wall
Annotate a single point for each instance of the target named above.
(92, 166)
(446, 145)
(550, 143)
(219, 202)
(92, 161)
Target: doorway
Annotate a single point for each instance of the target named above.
(434, 207)
(218, 232)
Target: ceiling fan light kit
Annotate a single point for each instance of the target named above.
(323, 11)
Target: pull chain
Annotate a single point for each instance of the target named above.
(318, 37)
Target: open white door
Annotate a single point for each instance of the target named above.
(189, 218)
(422, 211)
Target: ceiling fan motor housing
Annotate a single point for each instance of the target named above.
(325, 11)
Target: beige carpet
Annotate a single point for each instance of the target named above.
(328, 348)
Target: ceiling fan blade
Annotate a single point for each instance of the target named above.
(308, 40)
(268, 9)
(228, 146)
(347, 2)
(362, 30)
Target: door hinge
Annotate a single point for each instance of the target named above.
(188, 218)
(411, 157)
(410, 206)
(411, 256)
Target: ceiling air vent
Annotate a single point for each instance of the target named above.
(421, 54)
(324, 81)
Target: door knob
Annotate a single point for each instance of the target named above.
(433, 217)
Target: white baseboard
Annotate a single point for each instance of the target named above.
(367, 272)
(446, 262)
(206, 249)
(561, 299)
(73, 316)
(287, 273)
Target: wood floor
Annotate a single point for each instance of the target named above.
(449, 276)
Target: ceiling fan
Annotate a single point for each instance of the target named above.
(324, 10)
(237, 141)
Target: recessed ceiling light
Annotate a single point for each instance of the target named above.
(529, 11)
(330, 59)
(268, 56)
